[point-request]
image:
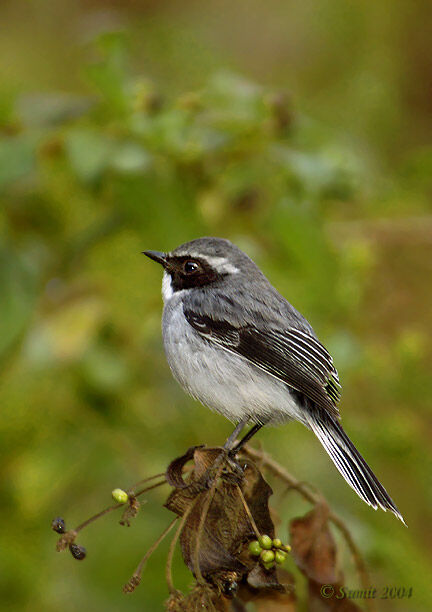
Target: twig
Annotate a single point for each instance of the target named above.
(168, 572)
(96, 516)
(116, 506)
(158, 484)
(132, 488)
(136, 576)
(248, 512)
(279, 471)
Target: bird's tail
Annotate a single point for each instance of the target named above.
(350, 463)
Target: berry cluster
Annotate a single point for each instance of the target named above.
(78, 552)
(269, 551)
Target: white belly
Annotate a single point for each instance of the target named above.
(221, 380)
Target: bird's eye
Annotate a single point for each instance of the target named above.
(191, 266)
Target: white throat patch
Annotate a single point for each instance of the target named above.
(167, 290)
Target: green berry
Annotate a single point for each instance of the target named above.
(268, 566)
(280, 556)
(120, 496)
(255, 548)
(286, 547)
(267, 556)
(277, 543)
(265, 542)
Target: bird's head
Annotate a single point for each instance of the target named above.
(199, 263)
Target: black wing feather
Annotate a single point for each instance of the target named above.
(293, 356)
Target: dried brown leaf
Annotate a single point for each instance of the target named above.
(269, 591)
(174, 473)
(211, 496)
(314, 551)
(313, 546)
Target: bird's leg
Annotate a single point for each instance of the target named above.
(208, 476)
(230, 441)
(232, 450)
(252, 431)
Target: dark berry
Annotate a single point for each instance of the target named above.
(78, 552)
(58, 525)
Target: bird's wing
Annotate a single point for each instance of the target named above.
(291, 355)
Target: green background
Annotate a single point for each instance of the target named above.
(299, 130)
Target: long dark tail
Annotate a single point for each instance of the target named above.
(350, 463)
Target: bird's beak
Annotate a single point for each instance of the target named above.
(157, 256)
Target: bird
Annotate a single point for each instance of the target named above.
(234, 343)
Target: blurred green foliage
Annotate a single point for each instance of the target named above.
(90, 177)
